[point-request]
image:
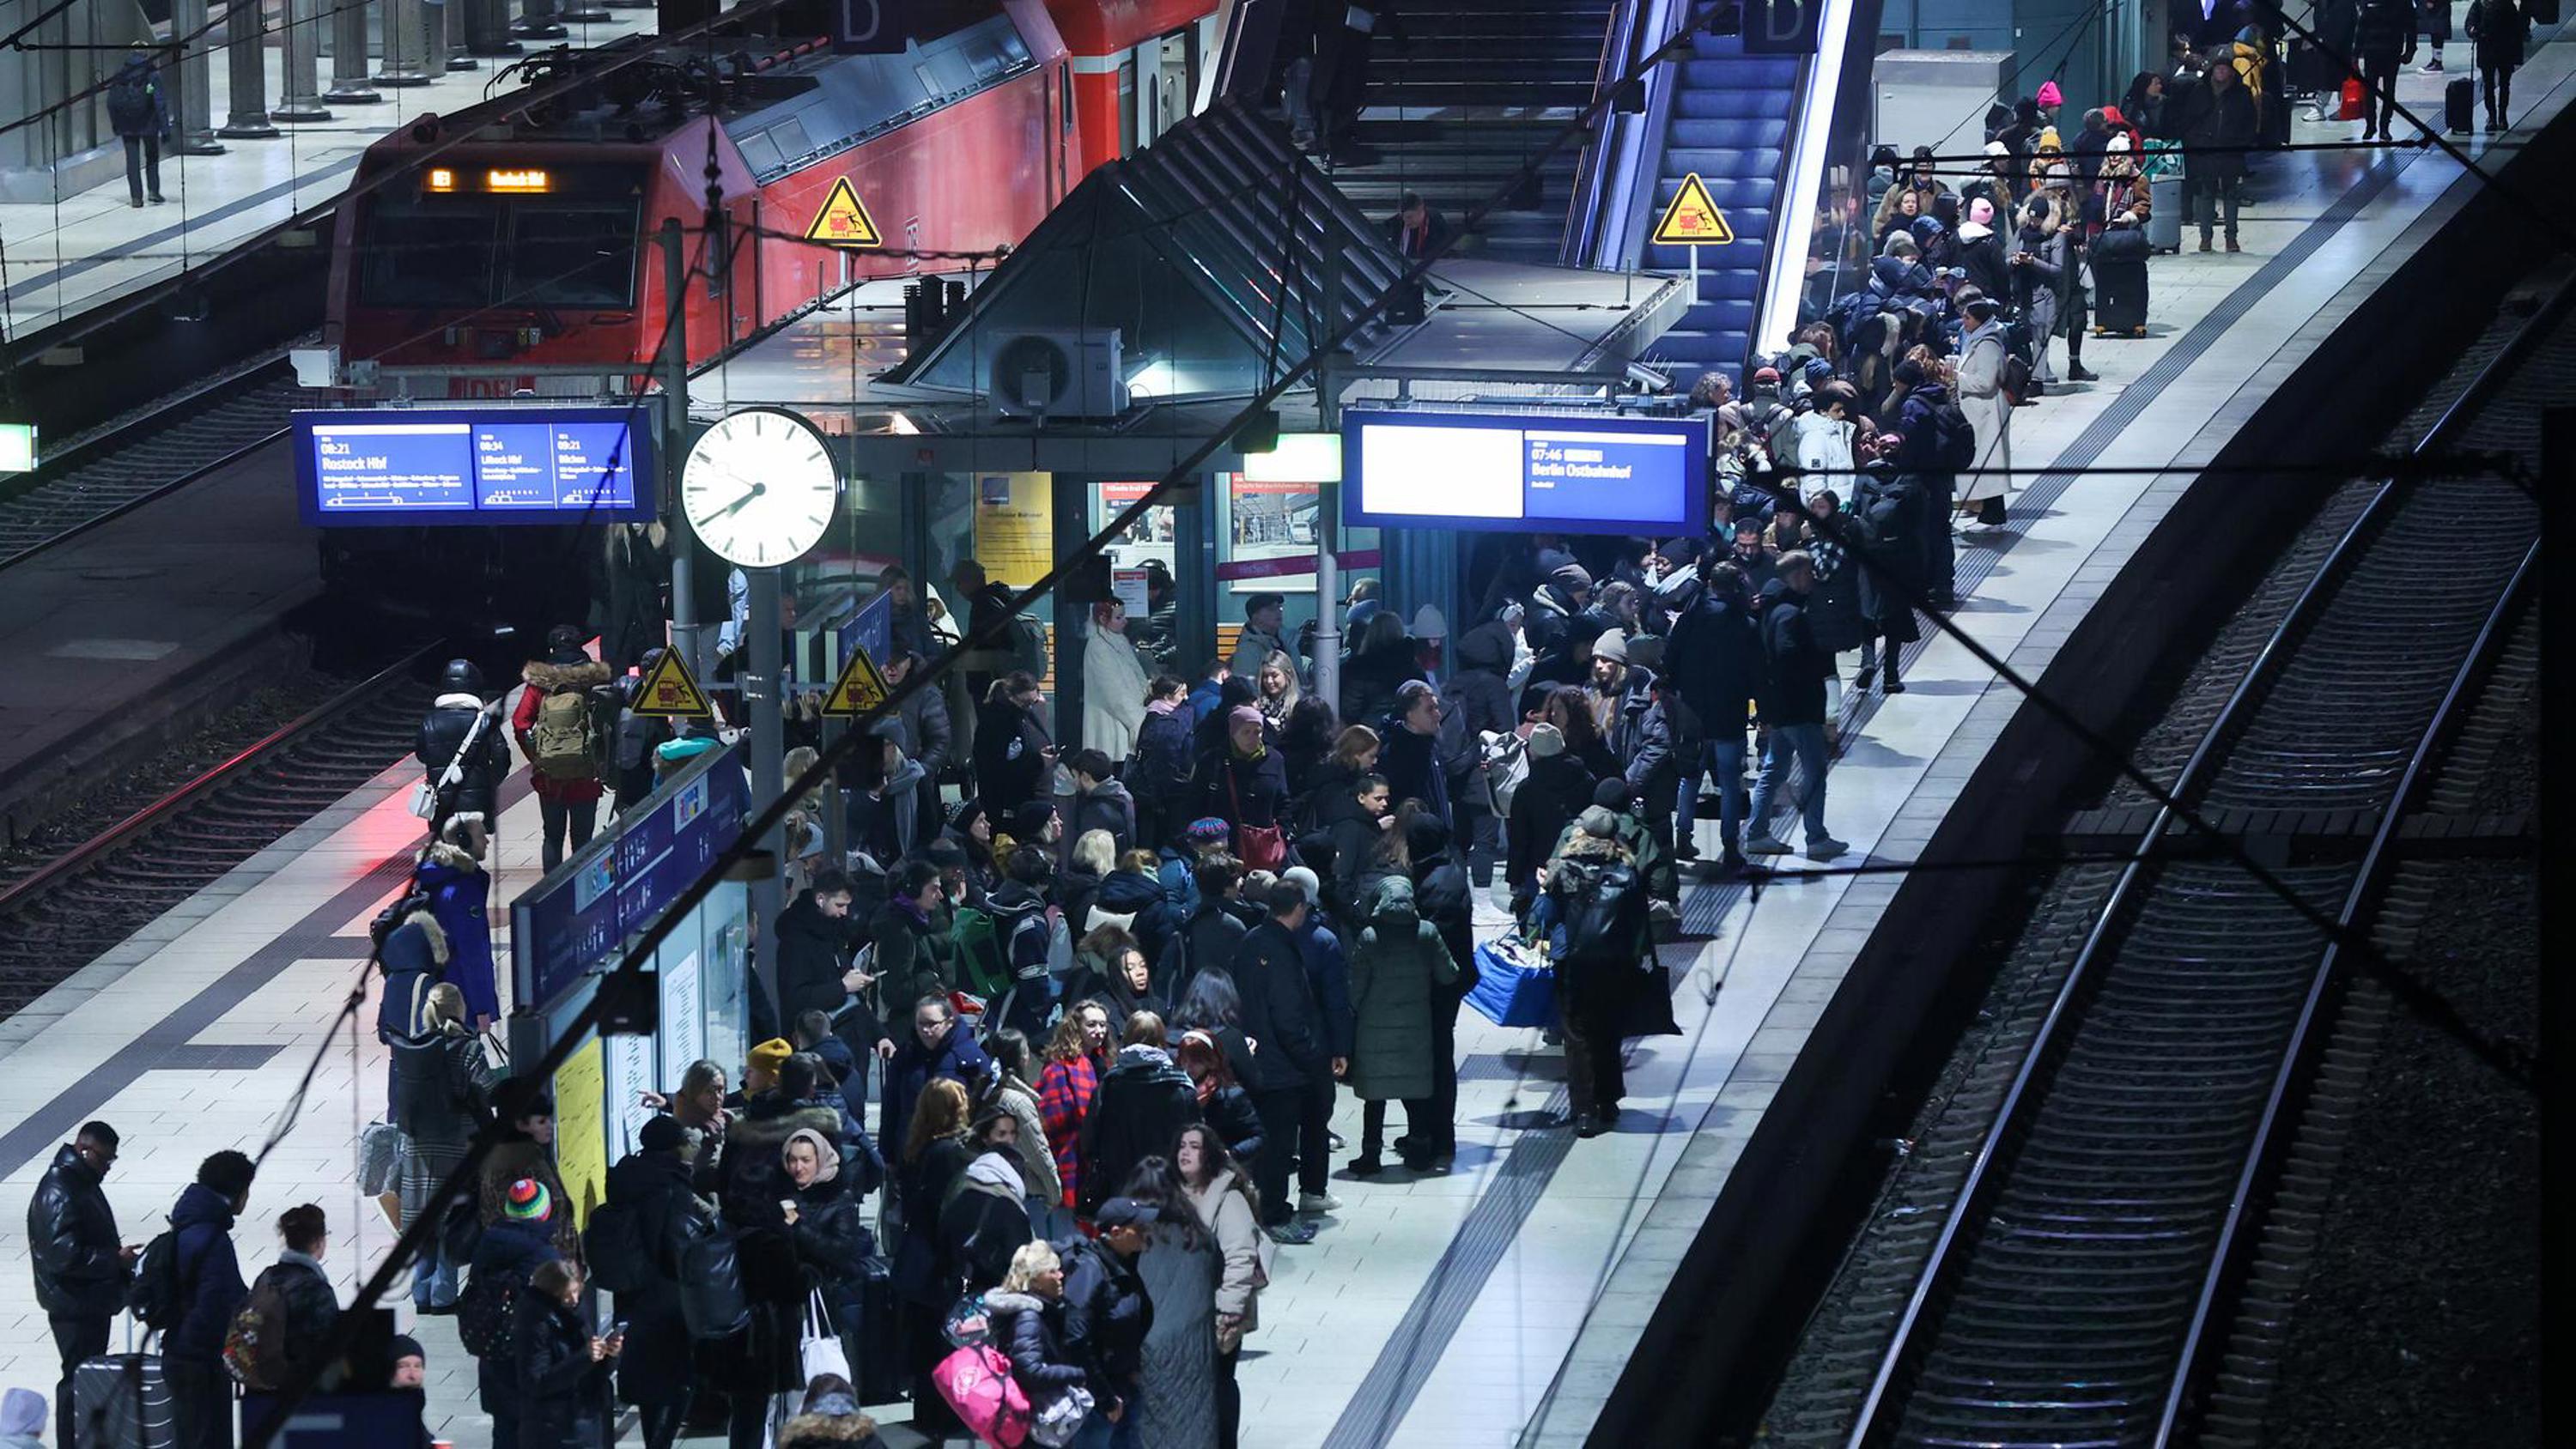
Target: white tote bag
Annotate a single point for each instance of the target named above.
(820, 1346)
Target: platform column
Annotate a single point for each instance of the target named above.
(247, 73)
(584, 12)
(538, 20)
(194, 77)
(487, 27)
(349, 56)
(406, 50)
(302, 64)
(762, 705)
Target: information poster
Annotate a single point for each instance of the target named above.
(684, 1025)
(581, 1129)
(1015, 526)
(630, 1076)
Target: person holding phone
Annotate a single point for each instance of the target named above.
(563, 1368)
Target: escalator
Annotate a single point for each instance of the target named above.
(1729, 122)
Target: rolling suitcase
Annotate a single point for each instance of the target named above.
(877, 1366)
(120, 1401)
(2164, 214)
(2459, 106)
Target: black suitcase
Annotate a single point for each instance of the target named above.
(2541, 12)
(876, 1352)
(2459, 105)
(120, 1401)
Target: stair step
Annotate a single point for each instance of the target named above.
(1730, 135)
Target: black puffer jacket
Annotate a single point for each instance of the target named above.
(655, 1187)
(561, 1392)
(755, 1175)
(1026, 1328)
(1144, 1102)
(71, 1236)
(442, 733)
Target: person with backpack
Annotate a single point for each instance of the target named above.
(562, 1368)
(1592, 915)
(1940, 442)
(1145, 1099)
(1557, 788)
(285, 1328)
(442, 1085)
(633, 1245)
(141, 115)
(82, 1267)
(564, 722)
(1878, 534)
(1107, 1313)
(463, 758)
(506, 1260)
(1029, 939)
(1793, 713)
(209, 1292)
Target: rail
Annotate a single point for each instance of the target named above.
(80, 857)
(1949, 1256)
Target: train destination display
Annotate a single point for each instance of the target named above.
(405, 467)
(1556, 472)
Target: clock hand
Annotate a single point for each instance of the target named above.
(744, 501)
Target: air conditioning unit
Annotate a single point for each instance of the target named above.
(1065, 374)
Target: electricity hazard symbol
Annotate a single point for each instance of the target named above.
(843, 222)
(1693, 219)
(669, 690)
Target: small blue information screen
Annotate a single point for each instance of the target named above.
(1552, 472)
(403, 467)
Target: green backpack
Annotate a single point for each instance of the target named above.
(976, 947)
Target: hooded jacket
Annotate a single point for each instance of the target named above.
(1028, 1329)
(1480, 687)
(567, 674)
(1145, 1100)
(1398, 962)
(73, 1243)
(1105, 806)
(984, 1221)
(414, 957)
(210, 1281)
(517, 1247)
(755, 1176)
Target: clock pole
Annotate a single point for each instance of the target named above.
(762, 703)
(685, 632)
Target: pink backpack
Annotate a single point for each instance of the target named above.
(976, 1381)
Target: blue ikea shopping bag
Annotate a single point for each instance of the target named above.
(1514, 984)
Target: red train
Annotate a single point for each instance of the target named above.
(525, 257)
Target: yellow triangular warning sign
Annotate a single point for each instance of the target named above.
(669, 690)
(843, 222)
(860, 689)
(1693, 219)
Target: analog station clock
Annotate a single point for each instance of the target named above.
(759, 487)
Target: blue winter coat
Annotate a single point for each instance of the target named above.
(210, 1280)
(459, 893)
(958, 1058)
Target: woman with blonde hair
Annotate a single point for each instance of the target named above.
(1277, 690)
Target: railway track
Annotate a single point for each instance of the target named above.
(2088, 1239)
(154, 451)
(74, 907)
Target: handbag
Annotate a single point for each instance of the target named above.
(2349, 107)
(1055, 1425)
(1515, 985)
(380, 1158)
(711, 1297)
(968, 1323)
(1259, 847)
(819, 1346)
(425, 796)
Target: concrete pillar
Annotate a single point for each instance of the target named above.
(406, 51)
(539, 20)
(487, 27)
(191, 83)
(247, 71)
(349, 85)
(446, 31)
(301, 99)
(584, 12)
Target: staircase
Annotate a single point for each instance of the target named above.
(1482, 84)
(1729, 122)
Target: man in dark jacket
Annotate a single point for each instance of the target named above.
(912, 957)
(1280, 1012)
(1716, 653)
(1793, 711)
(1410, 757)
(211, 1291)
(1937, 437)
(140, 112)
(1214, 932)
(468, 807)
(81, 1268)
(1558, 788)
(929, 737)
(1014, 754)
(1100, 802)
(815, 936)
(1106, 1310)
(654, 1373)
(2383, 40)
(1443, 896)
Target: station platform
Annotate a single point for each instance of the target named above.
(92, 248)
(1491, 1305)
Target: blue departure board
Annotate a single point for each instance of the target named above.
(402, 467)
(1525, 472)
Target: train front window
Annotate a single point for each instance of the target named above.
(433, 253)
(566, 254)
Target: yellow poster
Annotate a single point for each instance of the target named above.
(581, 1130)
(1015, 526)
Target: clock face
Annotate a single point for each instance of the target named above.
(759, 488)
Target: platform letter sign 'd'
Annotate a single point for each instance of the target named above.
(866, 27)
(843, 222)
(860, 688)
(1693, 219)
(669, 690)
(1780, 27)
